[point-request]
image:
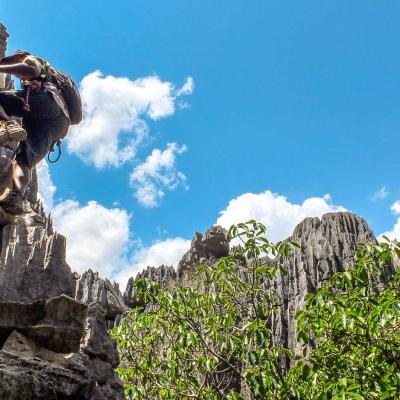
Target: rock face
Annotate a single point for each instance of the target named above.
(211, 246)
(327, 245)
(34, 366)
(164, 275)
(93, 289)
(53, 323)
(32, 261)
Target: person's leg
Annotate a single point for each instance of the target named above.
(15, 202)
(21, 177)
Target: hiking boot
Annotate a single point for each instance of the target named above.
(14, 203)
(11, 131)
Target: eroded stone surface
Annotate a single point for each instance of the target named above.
(60, 349)
(91, 288)
(327, 245)
(53, 323)
(164, 275)
(211, 246)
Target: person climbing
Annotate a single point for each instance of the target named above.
(48, 104)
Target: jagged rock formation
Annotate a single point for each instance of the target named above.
(93, 289)
(211, 246)
(57, 349)
(53, 323)
(203, 249)
(164, 275)
(327, 245)
(32, 261)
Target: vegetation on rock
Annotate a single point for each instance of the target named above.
(213, 340)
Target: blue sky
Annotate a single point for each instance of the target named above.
(297, 98)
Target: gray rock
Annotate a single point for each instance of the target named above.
(93, 289)
(211, 246)
(28, 371)
(327, 245)
(60, 343)
(32, 261)
(95, 341)
(164, 275)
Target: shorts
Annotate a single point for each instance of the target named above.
(45, 123)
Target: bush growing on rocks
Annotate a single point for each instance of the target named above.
(213, 339)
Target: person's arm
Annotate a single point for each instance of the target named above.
(21, 70)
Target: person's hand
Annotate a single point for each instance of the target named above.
(35, 85)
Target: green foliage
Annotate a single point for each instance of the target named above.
(206, 341)
(355, 321)
(213, 340)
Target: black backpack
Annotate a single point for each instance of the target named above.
(67, 87)
(71, 96)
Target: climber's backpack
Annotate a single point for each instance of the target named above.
(65, 85)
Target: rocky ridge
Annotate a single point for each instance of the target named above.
(53, 322)
(327, 245)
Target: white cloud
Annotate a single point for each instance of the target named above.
(396, 207)
(167, 252)
(100, 237)
(274, 211)
(157, 173)
(97, 237)
(394, 233)
(187, 88)
(115, 112)
(46, 186)
(380, 194)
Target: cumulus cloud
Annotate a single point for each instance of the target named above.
(274, 211)
(98, 237)
(396, 207)
(393, 233)
(167, 252)
(115, 113)
(156, 174)
(380, 194)
(46, 187)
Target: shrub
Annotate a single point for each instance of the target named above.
(212, 340)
